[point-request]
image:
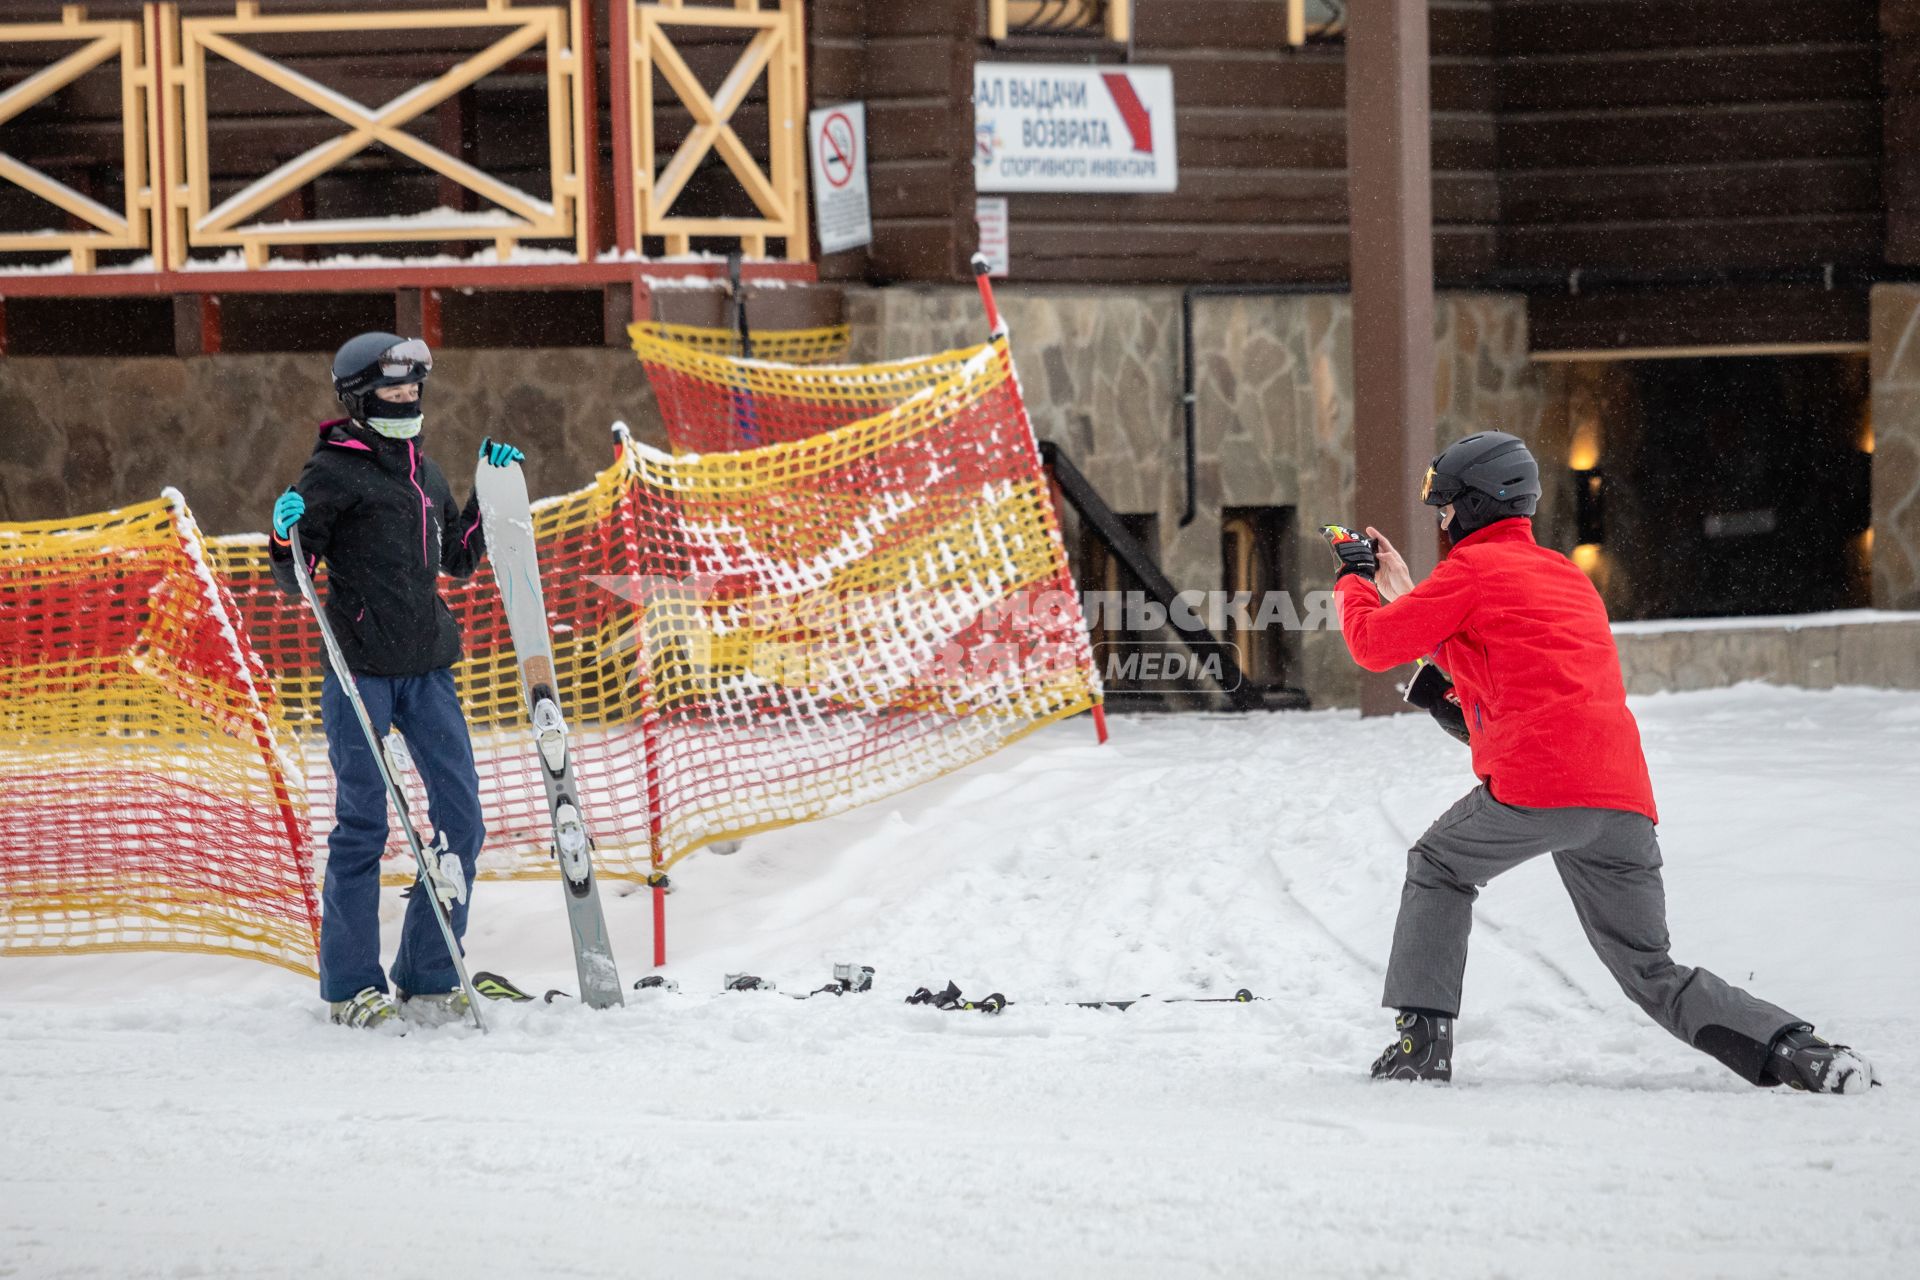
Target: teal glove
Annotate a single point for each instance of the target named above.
(287, 510)
(498, 453)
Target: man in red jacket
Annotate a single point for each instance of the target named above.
(1525, 638)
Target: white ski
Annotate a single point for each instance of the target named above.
(508, 517)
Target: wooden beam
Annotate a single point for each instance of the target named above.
(622, 96)
(587, 160)
(1389, 136)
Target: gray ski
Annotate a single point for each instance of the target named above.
(516, 568)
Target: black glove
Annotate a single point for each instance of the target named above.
(1356, 551)
(1432, 691)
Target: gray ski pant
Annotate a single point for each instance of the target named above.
(1609, 861)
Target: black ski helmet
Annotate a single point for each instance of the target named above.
(374, 360)
(1487, 476)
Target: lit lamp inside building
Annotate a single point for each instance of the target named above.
(1589, 516)
(1589, 511)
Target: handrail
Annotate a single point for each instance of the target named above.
(187, 44)
(776, 47)
(105, 41)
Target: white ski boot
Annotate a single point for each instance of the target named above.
(435, 1010)
(370, 1010)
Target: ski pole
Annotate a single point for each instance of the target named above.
(345, 677)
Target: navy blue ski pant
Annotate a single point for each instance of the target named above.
(426, 710)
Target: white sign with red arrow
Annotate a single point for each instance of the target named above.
(1040, 127)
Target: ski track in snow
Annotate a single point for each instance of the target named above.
(190, 1116)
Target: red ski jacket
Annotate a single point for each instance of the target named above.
(1525, 638)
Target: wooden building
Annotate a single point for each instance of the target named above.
(1617, 184)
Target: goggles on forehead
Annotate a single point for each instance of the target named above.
(410, 358)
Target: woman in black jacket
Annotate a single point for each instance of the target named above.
(382, 517)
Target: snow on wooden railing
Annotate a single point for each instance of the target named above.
(103, 43)
(647, 189)
(189, 222)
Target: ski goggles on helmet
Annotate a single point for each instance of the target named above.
(409, 359)
(1438, 490)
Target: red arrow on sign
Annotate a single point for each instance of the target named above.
(1132, 111)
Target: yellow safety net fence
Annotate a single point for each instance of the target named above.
(149, 796)
(743, 640)
(712, 402)
(826, 345)
(842, 615)
(750, 639)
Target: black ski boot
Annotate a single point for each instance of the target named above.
(1424, 1050)
(1801, 1060)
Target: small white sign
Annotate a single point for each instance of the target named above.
(1042, 127)
(990, 212)
(837, 143)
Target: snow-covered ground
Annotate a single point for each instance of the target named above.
(186, 1116)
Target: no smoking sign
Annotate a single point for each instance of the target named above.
(839, 150)
(837, 147)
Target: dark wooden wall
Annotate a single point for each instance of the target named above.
(1262, 146)
(1900, 76)
(1689, 133)
(1651, 137)
(1262, 137)
(912, 64)
(1743, 137)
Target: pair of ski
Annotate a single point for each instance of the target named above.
(847, 979)
(495, 987)
(508, 517)
(950, 999)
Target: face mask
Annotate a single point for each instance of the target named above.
(397, 428)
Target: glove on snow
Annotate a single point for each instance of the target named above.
(1356, 551)
(287, 510)
(498, 453)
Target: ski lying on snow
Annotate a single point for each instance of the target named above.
(949, 998)
(516, 569)
(850, 979)
(847, 979)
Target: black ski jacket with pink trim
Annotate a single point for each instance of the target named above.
(380, 514)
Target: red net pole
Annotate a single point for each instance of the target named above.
(650, 751)
(998, 329)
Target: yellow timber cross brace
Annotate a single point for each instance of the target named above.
(776, 48)
(522, 215)
(103, 42)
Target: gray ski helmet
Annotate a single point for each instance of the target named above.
(1487, 476)
(373, 360)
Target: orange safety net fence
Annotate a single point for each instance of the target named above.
(579, 539)
(747, 640)
(826, 345)
(848, 613)
(151, 797)
(713, 402)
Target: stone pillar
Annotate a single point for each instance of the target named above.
(1895, 328)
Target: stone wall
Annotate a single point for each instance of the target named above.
(1895, 364)
(1274, 406)
(1815, 651)
(231, 431)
